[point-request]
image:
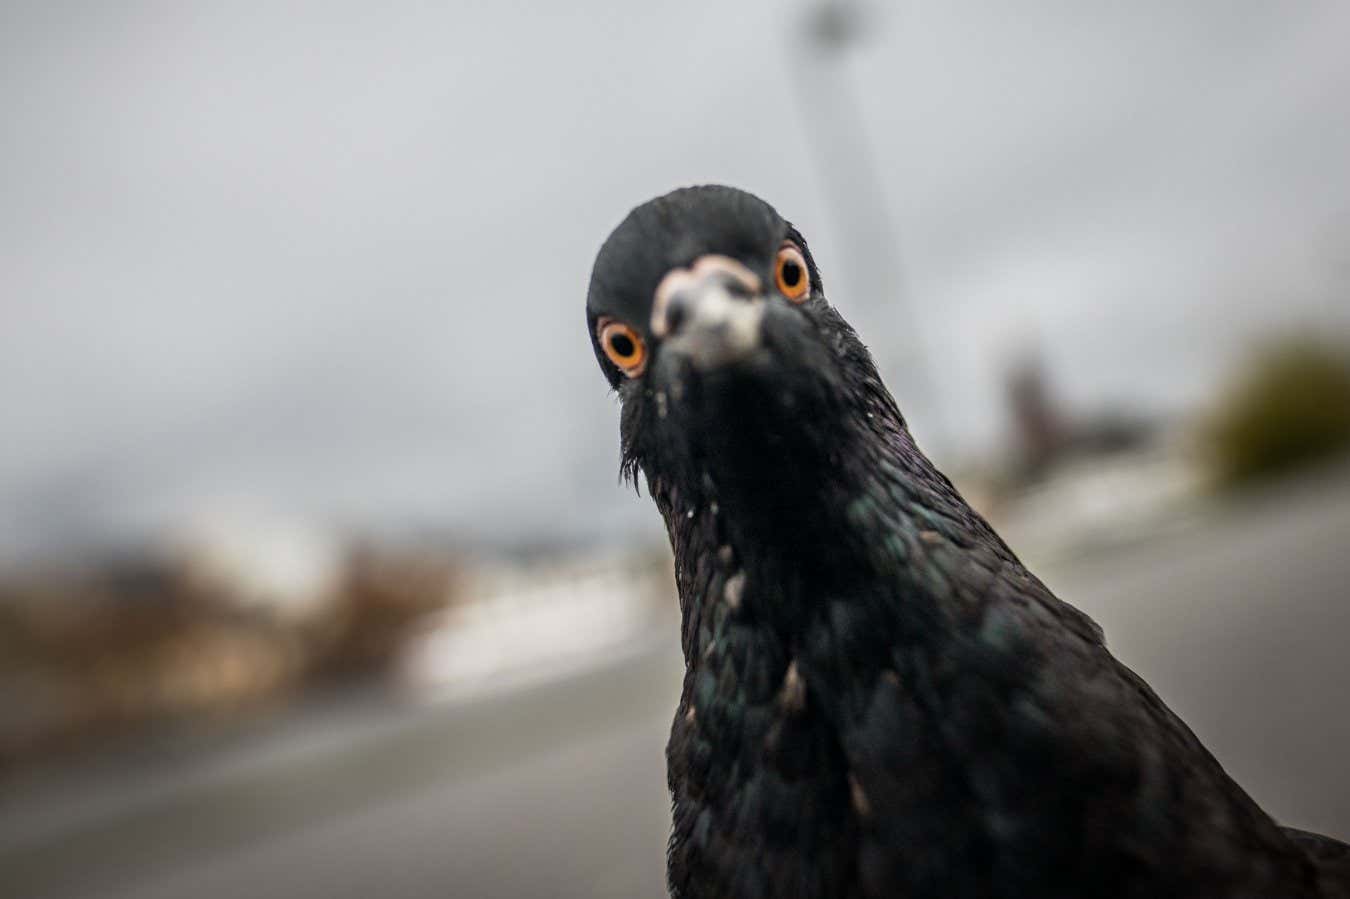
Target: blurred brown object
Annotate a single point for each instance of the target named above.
(121, 647)
(96, 653)
(384, 600)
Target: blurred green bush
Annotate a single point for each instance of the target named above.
(1288, 407)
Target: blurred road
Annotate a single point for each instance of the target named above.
(1237, 618)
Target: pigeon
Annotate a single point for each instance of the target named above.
(879, 699)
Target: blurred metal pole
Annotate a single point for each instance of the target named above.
(836, 134)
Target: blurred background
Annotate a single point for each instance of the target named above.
(315, 574)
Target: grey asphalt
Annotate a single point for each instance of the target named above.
(1238, 619)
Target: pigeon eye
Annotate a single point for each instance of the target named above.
(624, 347)
(790, 273)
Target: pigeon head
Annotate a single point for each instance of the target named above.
(741, 386)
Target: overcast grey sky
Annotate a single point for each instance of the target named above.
(331, 259)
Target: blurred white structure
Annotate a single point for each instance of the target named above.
(538, 622)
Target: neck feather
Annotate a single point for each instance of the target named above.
(863, 519)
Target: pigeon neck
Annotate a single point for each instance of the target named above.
(843, 533)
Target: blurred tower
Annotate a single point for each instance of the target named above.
(1039, 429)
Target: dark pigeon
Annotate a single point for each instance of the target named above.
(879, 699)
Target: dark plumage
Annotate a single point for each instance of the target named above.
(879, 699)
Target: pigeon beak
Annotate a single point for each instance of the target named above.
(712, 313)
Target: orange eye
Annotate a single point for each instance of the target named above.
(794, 282)
(623, 346)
